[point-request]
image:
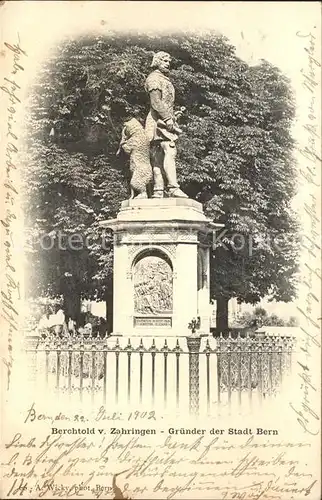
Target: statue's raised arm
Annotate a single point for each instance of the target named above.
(162, 129)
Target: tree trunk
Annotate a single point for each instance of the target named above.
(72, 306)
(109, 311)
(222, 314)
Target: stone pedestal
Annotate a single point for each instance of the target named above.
(161, 267)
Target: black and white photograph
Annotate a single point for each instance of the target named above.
(160, 250)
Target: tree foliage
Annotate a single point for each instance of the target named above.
(235, 156)
(259, 317)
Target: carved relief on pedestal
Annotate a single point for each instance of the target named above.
(153, 284)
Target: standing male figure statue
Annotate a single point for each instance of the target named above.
(161, 128)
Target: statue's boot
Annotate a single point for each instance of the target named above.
(158, 193)
(176, 192)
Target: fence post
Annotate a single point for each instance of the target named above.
(31, 344)
(194, 347)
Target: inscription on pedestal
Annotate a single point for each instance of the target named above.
(153, 322)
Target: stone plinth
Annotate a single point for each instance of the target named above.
(161, 266)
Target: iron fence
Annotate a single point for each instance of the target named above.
(196, 372)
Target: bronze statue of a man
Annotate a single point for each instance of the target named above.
(161, 128)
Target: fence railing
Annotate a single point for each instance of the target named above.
(193, 372)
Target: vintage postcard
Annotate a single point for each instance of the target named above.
(160, 250)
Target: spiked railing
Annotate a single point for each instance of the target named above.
(234, 368)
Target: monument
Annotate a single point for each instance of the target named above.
(162, 241)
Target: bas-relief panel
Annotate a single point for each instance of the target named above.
(153, 291)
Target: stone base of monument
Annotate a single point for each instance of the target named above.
(161, 267)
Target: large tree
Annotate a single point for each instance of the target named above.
(235, 156)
